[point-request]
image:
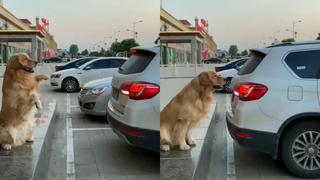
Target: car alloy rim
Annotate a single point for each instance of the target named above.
(305, 150)
(228, 83)
(70, 85)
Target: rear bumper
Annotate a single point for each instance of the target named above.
(143, 138)
(257, 140)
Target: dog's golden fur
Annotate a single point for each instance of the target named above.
(19, 101)
(185, 111)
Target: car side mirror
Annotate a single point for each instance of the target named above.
(87, 68)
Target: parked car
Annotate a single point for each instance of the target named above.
(71, 80)
(94, 96)
(212, 61)
(53, 60)
(275, 107)
(73, 64)
(133, 110)
(228, 71)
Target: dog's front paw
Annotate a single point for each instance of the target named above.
(30, 139)
(165, 147)
(39, 104)
(184, 147)
(6, 146)
(191, 142)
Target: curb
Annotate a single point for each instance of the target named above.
(42, 163)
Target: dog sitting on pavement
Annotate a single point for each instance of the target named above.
(186, 109)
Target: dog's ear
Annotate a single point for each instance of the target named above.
(204, 78)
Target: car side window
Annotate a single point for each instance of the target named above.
(305, 64)
(116, 63)
(101, 64)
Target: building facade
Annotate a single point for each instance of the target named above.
(181, 43)
(20, 35)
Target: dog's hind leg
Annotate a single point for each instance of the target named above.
(180, 132)
(165, 140)
(8, 138)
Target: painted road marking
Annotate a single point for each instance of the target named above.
(91, 129)
(70, 151)
(231, 170)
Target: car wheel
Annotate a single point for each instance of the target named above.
(70, 85)
(227, 86)
(300, 149)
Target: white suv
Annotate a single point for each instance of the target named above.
(133, 110)
(275, 106)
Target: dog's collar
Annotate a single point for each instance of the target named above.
(29, 70)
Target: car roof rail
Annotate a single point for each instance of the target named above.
(296, 43)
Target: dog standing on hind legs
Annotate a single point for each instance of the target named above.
(20, 101)
(186, 109)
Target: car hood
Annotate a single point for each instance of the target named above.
(71, 70)
(99, 82)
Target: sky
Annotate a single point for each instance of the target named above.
(87, 23)
(250, 23)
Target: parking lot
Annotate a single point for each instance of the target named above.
(228, 160)
(85, 147)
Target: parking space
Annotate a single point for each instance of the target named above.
(228, 160)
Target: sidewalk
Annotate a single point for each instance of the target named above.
(177, 164)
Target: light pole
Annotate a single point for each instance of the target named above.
(115, 35)
(274, 34)
(294, 33)
(135, 34)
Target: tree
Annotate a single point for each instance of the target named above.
(318, 38)
(124, 45)
(289, 40)
(85, 52)
(102, 52)
(233, 50)
(244, 53)
(73, 50)
(94, 53)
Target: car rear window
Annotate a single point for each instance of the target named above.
(137, 63)
(255, 58)
(304, 64)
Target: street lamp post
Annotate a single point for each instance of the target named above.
(135, 34)
(115, 35)
(274, 34)
(294, 33)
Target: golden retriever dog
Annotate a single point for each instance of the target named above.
(186, 109)
(20, 101)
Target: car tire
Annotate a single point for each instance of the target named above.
(70, 85)
(300, 146)
(226, 86)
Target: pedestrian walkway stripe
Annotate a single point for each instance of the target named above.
(231, 170)
(70, 150)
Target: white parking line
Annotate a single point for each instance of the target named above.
(70, 151)
(90, 129)
(231, 170)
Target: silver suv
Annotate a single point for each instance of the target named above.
(275, 106)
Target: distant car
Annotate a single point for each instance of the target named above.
(212, 61)
(94, 96)
(228, 71)
(70, 80)
(133, 110)
(53, 60)
(73, 64)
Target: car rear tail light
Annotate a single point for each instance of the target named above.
(139, 90)
(130, 132)
(217, 69)
(250, 91)
(57, 68)
(134, 51)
